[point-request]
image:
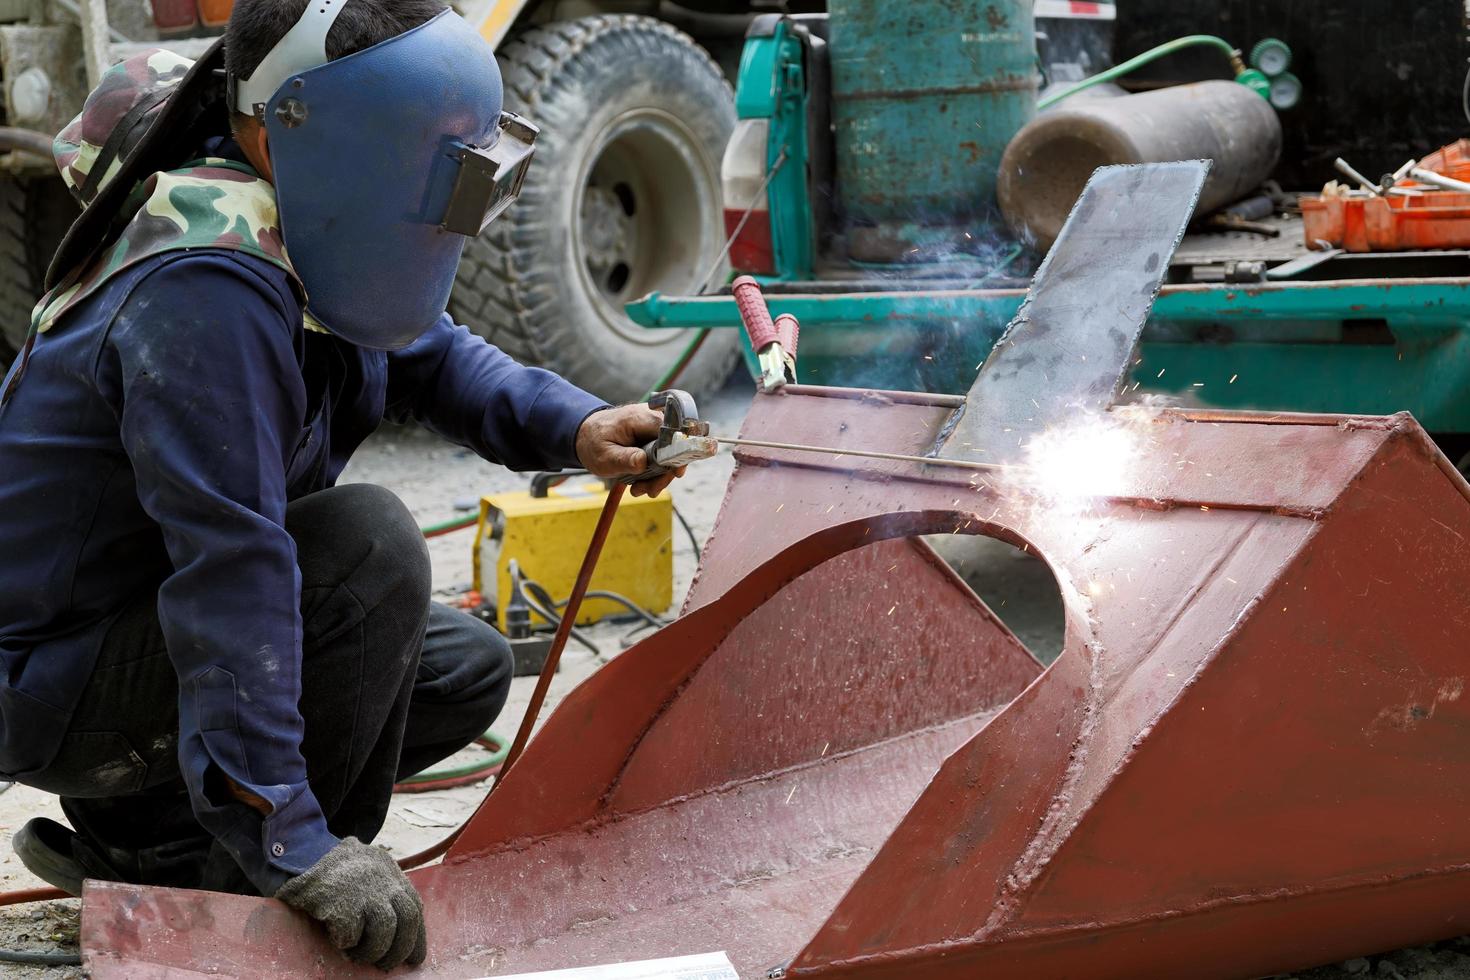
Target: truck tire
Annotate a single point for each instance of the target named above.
(34, 215)
(622, 198)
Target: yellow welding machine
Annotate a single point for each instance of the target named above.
(548, 535)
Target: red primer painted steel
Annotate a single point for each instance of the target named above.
(1250, 756)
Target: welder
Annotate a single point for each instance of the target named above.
(220, 660)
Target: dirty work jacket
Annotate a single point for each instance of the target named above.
(158, 433)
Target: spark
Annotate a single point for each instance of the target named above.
(890, 611)
(1084, 458)
(1233, 377)
(1161, 372)
(778, 507)
(1198, 384)
(791, 794)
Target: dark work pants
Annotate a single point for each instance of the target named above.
(369, 720)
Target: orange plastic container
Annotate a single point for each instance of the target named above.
(1335, 222)
(1451, 161)
(215, 13)
(1440, 219)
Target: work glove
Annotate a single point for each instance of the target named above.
(610, 445)
(368, 905)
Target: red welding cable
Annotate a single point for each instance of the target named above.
(564, 628)
(25, 895)
(548, 670)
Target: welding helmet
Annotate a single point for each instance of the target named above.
(385, 162)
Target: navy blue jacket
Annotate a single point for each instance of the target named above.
(152, 446)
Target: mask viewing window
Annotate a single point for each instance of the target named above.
(490, 177)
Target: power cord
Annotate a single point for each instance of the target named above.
(693, 539)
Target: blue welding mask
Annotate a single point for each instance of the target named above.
(385, 162)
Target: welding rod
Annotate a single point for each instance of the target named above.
(1439, 180)
(963, 464)
(1346, 169)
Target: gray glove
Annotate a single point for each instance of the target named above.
(368, 905)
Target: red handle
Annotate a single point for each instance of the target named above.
(787, 331)
(753, 313)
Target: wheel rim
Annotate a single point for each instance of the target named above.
(647, 218)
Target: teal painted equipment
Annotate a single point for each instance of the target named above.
(925, 96)
(774, 88)
(1366, 334)
(1349, 346)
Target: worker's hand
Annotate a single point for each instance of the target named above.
(368, 905)
(610, 445)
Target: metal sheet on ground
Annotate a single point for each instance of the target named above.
(701, 966)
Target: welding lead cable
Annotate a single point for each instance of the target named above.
(548, 670)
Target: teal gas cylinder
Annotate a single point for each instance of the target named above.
(925, 96)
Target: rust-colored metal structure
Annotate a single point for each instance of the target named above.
(1249, 757)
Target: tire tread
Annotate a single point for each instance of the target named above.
(502, 292)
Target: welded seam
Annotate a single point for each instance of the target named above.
(1034, 856)
(950, 947)
(1055, 826)
(1205, 580)
(936, 476)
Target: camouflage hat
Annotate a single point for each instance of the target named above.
(90, 150)
(211, 203)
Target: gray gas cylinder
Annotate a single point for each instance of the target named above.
(1046, 165)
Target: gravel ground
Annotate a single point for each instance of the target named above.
(437, 481)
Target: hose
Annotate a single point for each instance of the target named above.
(24, 896)
(677, 368)
(1151, 55)
(21, 897)
(39, 959)
(464, 775)
(452, 524)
